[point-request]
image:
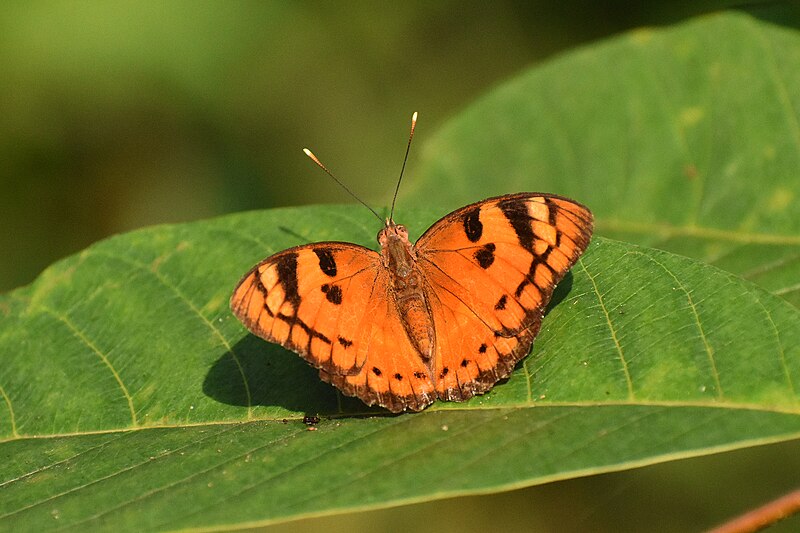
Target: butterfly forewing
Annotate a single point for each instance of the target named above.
(304, 298)
(492, 267)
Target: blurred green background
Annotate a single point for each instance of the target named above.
(121, 114)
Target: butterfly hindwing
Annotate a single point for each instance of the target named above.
(491, 268)
(393, 375)
(329, 302)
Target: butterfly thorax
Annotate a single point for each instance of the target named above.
(407, 289)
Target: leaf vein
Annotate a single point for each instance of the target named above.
(782, 352)
(58, 463)
(109, 476)
(393, 458)
(14, 433)
(215, 330)
(786, 290)
(612, 331)
(306, 461)
(696, 316)
(772, 265)
(77, 333)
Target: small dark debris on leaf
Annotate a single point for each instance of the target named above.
(310, 420)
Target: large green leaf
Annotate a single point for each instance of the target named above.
(134, 399)
(686, 140)
(130, 398)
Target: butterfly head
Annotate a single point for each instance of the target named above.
(398, 253)
(392, 232)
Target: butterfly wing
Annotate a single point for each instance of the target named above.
(490, 270)
(393, 376)
(329, 302)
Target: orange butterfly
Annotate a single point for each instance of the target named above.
(444, 318)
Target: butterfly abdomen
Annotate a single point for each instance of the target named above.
(406, 289)
(418, 323)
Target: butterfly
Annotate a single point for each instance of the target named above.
(444, 318)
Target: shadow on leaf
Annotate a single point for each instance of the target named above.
(275, 377)
(560, 292)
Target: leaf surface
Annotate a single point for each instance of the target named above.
(131, 392)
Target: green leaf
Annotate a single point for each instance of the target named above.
(685, 139)
(133, 399)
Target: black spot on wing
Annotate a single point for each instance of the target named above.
(327, 264)
(398, 377)
(485, 255)
(333, 293)
(516, 212)
(287, 277)
(473, 227)
(501, 303)
(376, 371)
(345, 342)
(482, 348)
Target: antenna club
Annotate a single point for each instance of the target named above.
(310, 154)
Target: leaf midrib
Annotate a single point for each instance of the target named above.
(786, 410)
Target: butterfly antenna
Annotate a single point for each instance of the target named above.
(329, 173)
(408, 149)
